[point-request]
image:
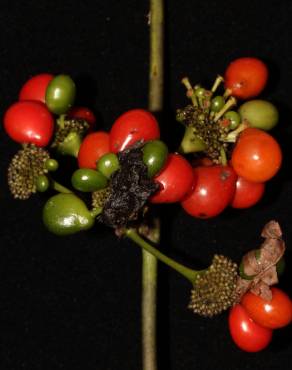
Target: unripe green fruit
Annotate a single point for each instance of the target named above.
(88, 180)
(51, 165)
(66, 214)
(234, 119)
(42, 183)
(260, 114)
(155, 154)
(60, 94)
(217, 103)
(108, 164)
(200, 91)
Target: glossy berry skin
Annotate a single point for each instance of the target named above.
(51, 165)
(213, 192)
(175, 180)
(29, 122)
(92, 148)
(155, 154)
(246, 334)
(88, 180)
(42, 183)
(273, 314)
(256, 156)
(108, 164)
(259, 114)
(83, 113)
(35, 88)
(132, 126)
(247, 193)
(60, 94)
(233, 118)
(217, 103)
(246, 77)
(66, 214)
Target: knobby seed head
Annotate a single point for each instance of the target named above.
(67, 126)
(214, 289)
(204, 128)
(99, 197)
(26, 166)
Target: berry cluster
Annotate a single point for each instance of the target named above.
(234, 154)
(225, 158)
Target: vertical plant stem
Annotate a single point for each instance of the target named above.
(149, 264)
(149, 292)
(155, 102)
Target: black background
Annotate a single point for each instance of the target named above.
(74, 302)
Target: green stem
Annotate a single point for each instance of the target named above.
(216, 84)
(149, 265)
(156, 55)
(190, 91)
(230, 103)
(223, 157)
(188, 273)
(148, 303)
(58, 187)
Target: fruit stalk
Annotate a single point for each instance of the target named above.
(188, 273)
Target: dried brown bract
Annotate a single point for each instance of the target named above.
(258, 267)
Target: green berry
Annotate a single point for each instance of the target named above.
(60, 94)
(260, 114)
(217, 103)
(234, 119)
(88, 180)
(42, 183)
(108, 164)
(51, 165)
(200, 92)
(66, 214)
(154, 156)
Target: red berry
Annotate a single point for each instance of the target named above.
(132, 126)
(247, 193)
(35, 88)
(93, 147)
(272, 314)
(246, 77)
(83, 113)
(246, 334)
(175, 180)
(213, 192)
(29, 122)
(257, 156)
